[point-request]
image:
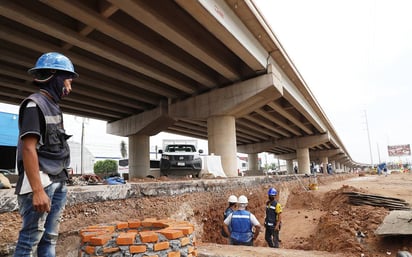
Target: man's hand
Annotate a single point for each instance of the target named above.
(41, 201)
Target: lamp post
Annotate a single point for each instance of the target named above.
(84, 120)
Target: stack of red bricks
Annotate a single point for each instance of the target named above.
(135, 238)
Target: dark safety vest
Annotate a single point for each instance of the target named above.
(226, 214)
(241, 226)
(53, 152)
(271, 215)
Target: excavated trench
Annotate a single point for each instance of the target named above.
(200, 202)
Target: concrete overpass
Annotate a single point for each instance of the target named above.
(210, 69)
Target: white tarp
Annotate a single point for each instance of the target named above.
(212, 164)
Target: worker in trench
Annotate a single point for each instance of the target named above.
(273, 220)
(232, 200)
(241, 225)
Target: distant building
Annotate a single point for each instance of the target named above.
(76, 159)
(9, 134)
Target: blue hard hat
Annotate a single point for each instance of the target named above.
(272, 192)
(53, 61)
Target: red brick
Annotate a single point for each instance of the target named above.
(184, 241)
(173, 254)
(148, 222)
(111, 249)
(148, 236)
(164, 223)
(90, 249)
(183, 224)
(126, 238)
(134, 223)
(171, 234)
(186, 230)
(137, 248)
(100, 240)
(87, 235)
(122, 225)
(161, 246)
(110, 228)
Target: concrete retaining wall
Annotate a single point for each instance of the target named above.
(99, 193)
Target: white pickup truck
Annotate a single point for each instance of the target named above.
(181, 160)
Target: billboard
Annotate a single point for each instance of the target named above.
(399, 150)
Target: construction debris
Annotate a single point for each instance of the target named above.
(390, 203)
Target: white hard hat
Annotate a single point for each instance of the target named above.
(242, 199)
(232, 199)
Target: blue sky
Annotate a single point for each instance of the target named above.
(355, 57)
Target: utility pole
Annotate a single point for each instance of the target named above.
(81, 150)
(379, 153)
(369, 139)
(84, 120)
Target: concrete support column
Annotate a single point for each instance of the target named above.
(325, 161)
(333, 165)
(289, 166)
(302, 155)
(221, 132)
(253, 161)
(139, 156)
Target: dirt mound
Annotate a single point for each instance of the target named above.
(338, 229)
(343, 227)
(299, 199)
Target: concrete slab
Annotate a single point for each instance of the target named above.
(397, 222)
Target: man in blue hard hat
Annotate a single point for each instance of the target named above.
(43, 156)
(273, 219)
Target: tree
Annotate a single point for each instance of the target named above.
(123, 150)
(105, 168)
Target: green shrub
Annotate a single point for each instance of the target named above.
(105, 168)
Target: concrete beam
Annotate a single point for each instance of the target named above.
(303, 142)
(324, 153)
(217, 17)
(255, 148)
(237, 100)
(288, 156)
(341, 158)
(313, 154)
(295, 143)
(148, 123)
